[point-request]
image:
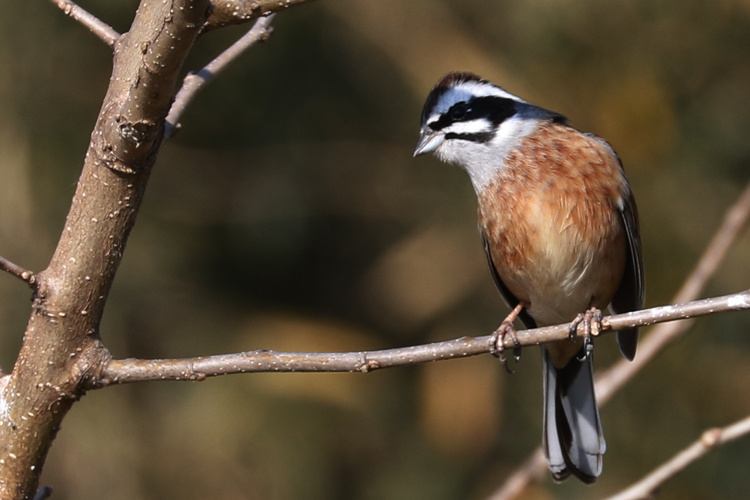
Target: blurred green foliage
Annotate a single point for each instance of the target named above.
(289, 214)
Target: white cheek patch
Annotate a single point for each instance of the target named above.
(513, 130)
(483, 160)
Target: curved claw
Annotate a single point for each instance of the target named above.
(497, 343)
(517, 354)
(573, 327)
(592, 325)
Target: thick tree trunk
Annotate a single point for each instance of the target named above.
(61, 344)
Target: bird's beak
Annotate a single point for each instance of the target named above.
(429, 142)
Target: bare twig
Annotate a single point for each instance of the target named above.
(712, 438)
(18, 272)
(98, 27)
(194, 82)
(229, 12)
(534, 467)
(614, 378)
(139, 370)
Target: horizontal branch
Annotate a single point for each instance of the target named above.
(98, 27)
(709, 440)
(18, 272)
(140, 370)
(194, 82)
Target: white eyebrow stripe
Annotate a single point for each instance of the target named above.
(484, 89)
(466, 91)
(432, 119)
(470, 127)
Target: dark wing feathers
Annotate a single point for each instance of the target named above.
(632, 292)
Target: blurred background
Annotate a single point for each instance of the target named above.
(289, 214)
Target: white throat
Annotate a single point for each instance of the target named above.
(483, 161)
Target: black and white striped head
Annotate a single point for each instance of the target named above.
(475, 124)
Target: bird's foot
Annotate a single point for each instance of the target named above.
(592, 326)
(497, 343)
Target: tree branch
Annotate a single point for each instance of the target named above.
(711, 439)
(18, 272)
(61, 343)
(229, 12)
(194, 82)
(197, 369)
(98, 27)
(613, 379)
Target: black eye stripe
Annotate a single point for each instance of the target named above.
(492, 108)
(476, 137)
(458, 110)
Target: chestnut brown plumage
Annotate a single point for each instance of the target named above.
(560, 228)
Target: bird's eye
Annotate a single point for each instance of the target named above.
(458, 111)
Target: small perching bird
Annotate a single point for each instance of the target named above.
(560, 229)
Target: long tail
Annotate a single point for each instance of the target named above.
(573, 440)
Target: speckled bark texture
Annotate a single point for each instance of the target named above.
(62, 343)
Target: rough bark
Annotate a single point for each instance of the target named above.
(62, 342)
(230, 12)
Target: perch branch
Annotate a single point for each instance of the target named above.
(709, 440)
(93, 23)
(140, 370)
(18, 272)
(194, 82)
(614, 378)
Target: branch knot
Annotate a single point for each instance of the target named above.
(711, 437)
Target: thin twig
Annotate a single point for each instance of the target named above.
(194, 82)
(98, 27)
(18, 272)
(533, 468)
(614, 378)
(140, 370)
(710, 439)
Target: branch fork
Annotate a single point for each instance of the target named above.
(137, 135)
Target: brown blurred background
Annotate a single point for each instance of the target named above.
(289, 214)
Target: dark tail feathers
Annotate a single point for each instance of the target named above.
(573, 440)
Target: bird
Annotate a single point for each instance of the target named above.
(561, 233)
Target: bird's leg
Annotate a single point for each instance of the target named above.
(497, 341)
(592, 325)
